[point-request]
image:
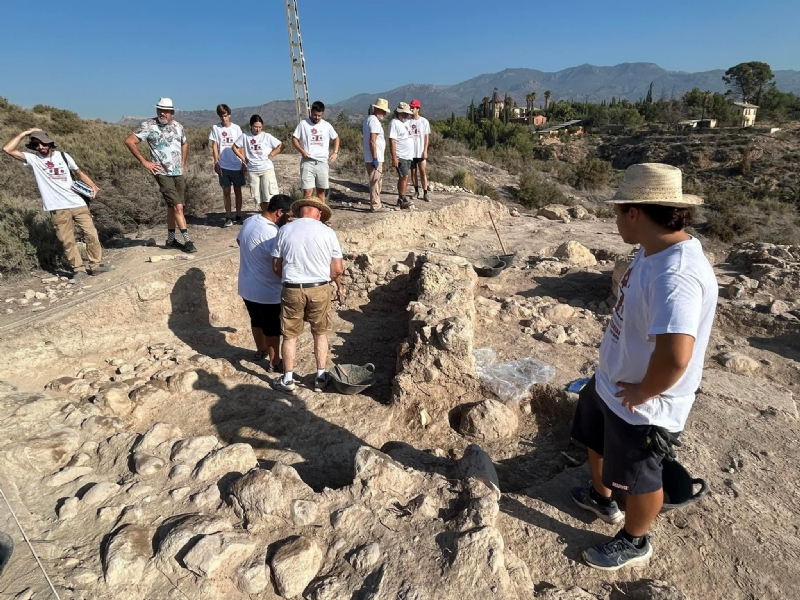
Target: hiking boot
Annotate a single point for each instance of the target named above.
(173, 245)
(610, 514)
(78, 276)
(189, 248)
(321, 382)
(276, 368)
(279, 385)
(228, 223)
(617, 553)
(416, 193)
(425, 196)
(406, 204)
(102, 269)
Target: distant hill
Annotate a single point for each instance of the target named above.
(582, 83)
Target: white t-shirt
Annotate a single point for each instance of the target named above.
(372, 124)
(54, 180)
(672, 291)
(307, 247)
(257, 149)
(398, 131)
(257, 281)
(315, 138)
(418, 128)
(226, 137)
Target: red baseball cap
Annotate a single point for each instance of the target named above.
(415, 103)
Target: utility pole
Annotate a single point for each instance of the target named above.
(299, 81)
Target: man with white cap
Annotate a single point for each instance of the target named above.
(168, 151)
(308, 257)
(374, 150)
(420, 130)
(651, 361)
(52, 171)
(402, 149)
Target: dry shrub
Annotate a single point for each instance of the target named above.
(591, 173)
(484, 189)
(535, 191)
(463, 179)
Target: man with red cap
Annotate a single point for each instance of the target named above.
(420, 130)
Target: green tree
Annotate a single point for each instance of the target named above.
(749, 80)
(649, 98)
(547, 94)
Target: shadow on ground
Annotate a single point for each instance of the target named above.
(581, 285)
(321, 452)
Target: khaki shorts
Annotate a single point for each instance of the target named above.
(306, 304)
(314, 174)
(172, 188)
(263, 185)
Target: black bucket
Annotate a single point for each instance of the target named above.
(6, 549)
(679, 486)
(489, 268)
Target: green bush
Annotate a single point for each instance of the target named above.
(591, 173)
(27, 237)
(484, 189)
(535, 191)
(463, 179)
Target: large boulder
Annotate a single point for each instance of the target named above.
(126, 555)
(236, 458)
(192, 449)
(294, 565)
(738, 363)
(260, 493)
(176, 537)
(219, 554)
(576, 254)
(489, 420)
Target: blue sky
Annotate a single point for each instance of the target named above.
(105, 59)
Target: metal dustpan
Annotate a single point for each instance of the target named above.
(353, 379)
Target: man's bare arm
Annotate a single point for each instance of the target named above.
(88, 181)
(296, 144)
(373, 145)
(184, 155)
(337, 268)
(277, 266)
(132, 143)
(668, 363)
(11, 147)
(215, 152)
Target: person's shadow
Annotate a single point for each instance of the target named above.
(322, 453)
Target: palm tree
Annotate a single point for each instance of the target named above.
(547, 95)
(530, 99)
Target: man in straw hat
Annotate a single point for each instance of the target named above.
(51, 169)
(312, 138)
(374, 151)
(651, 362)
(168, 151)
(308, 257)
(402, 149)
(259, 286)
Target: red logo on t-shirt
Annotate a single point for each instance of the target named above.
(313, 130)
(49, 164)
(224, 134)
(252, 142)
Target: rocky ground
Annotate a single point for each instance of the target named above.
(146, 456)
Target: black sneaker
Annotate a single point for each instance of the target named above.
(189, 247)
(617, 553)
(321, 382)
(610, 514)
(228, 223)
(276, 368)
(238, 219)
(173, 245)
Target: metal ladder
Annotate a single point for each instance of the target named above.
(298, 61)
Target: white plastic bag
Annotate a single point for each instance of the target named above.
(513, 380)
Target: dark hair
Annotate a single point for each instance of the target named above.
(223, 109)
(669, 217)
(256, 119)
(280, 202)
(318, 106)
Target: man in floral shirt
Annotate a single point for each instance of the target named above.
(168, 151)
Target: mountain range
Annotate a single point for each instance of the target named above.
(582, 83)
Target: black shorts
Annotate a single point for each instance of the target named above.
(266, 317)
(416, 161)
(627, 463)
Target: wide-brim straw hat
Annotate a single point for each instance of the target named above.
(404, 108)
(654, 183)
(165, 104)
(323, 208)
(381, 104)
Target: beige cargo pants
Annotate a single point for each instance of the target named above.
(65, 221)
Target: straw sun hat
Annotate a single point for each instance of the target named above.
(382, 104)
(654, 183)
(404, 108)
(323, 208)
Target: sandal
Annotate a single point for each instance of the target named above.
(260, 354)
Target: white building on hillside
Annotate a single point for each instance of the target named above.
(747, 113)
